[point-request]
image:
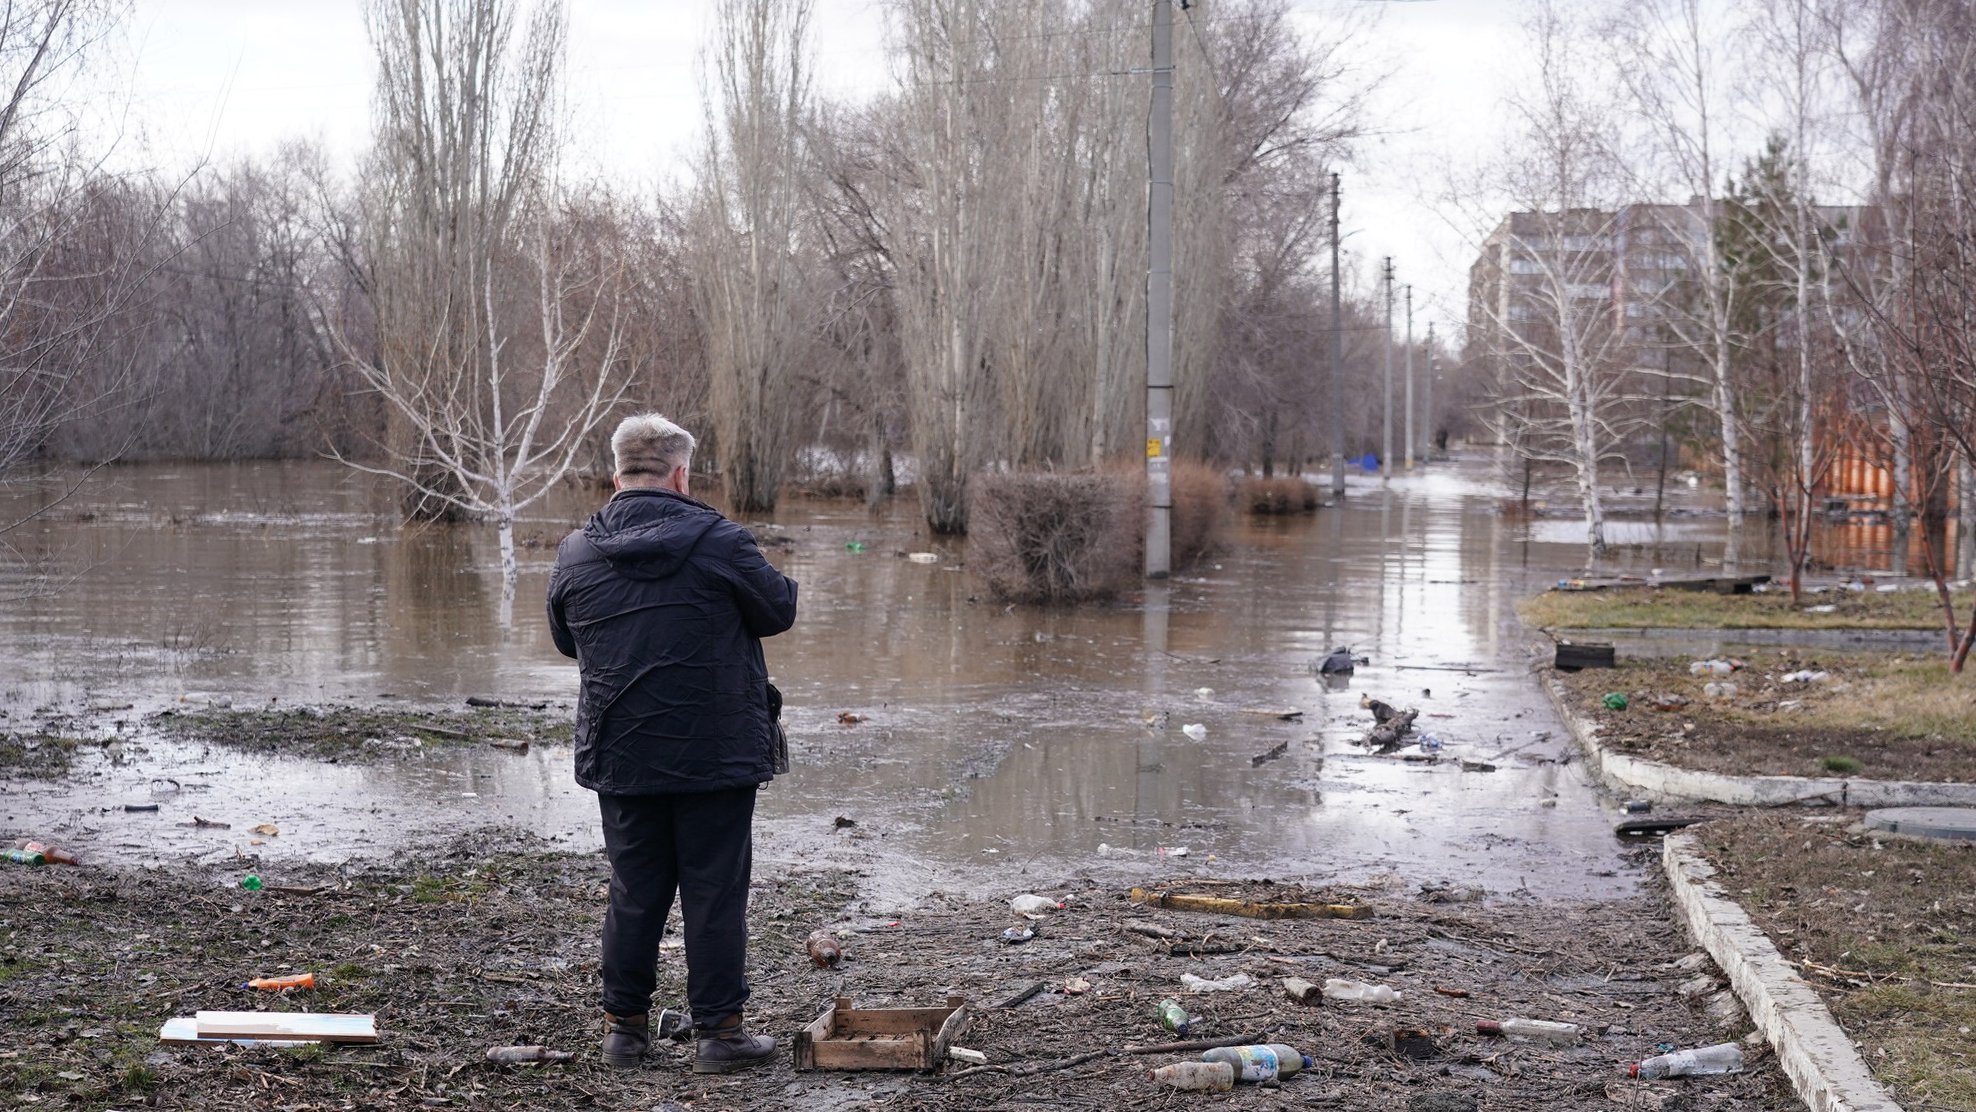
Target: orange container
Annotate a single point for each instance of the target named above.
(276, 984)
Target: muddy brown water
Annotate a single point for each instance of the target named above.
(991, 738)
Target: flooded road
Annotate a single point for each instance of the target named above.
(988, 735)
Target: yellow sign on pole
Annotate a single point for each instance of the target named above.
(1153, 448)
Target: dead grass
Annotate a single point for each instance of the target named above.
(1882, 929)
(1906, 696)
(1051, 537)
(1668, 608)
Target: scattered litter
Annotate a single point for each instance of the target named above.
(511, 744)
(140, 807)
(1542, 1030)
(1031, 904)
(526, 1055)
(340, 1027)
(1615, 700)
(1076, 986)
(1230, 983)
(963, 1054)
(1477, 766)
(1018, 934)
(846, 718)
(1204, 693)
(1696, 986)
(1342, 988)
(1174, 1017)
(850, 1038)
(184, 1031)
(1720, 1058)
(1719, 690)
(1807, 676)
(163, 785)
(1302, 991)
(854, 546)
(1249, 909)
(1195, 730)
(1419, 1043)
(1668, 702)
(53, 855)
(267, 829)
(251, 883)
(1172, 851)
(278, 984)
(1827, 608)
(824, 949)
(923, 557)
(1457, 993)
(1430, 743)
(1206, 1077)
(1637, 806)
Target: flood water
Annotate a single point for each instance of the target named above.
(989, 735)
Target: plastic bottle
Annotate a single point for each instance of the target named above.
(1027, 904)
(1018, 934)
(522, 1055)
(251, 882)
(1543, 1030)
(52, 854)
(825, 951)
(1206, 1077)
(276, 984)
(1720, 1058)
(23, 856)
(1340, 988)
(1174, 1018)
(1263, 1062)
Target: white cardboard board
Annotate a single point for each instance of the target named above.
(184, 1031)
(341, 1027)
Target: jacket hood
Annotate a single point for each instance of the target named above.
(648, 534)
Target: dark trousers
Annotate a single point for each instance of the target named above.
(701, 845)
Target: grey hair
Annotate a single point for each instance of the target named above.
(649, 444)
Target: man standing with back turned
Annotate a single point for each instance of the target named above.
(663, 602)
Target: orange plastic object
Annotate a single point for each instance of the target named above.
(276, 984)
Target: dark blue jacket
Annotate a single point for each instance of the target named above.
(663, 602)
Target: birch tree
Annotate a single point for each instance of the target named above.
(498, 297)
(1546, 308)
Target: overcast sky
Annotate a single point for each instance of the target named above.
(224, 77)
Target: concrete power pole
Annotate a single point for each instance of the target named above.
(1337, 359)
(1427, 403)
(1409, 425)
(1386, 431)
(1159, 300)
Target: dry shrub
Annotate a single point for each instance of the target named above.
(1045, 536)
(1279, 496)
(1200, 506)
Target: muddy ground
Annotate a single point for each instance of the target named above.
(1884, 928)
(458, 948)
(1872, 717)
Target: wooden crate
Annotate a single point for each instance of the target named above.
(850, 1038)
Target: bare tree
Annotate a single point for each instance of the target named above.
(748, 204)
(1542, 298)
(499, 298)
(61, 278)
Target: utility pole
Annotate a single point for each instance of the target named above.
(1386, 431)
(1410, 440)
(1159, 300)
(1337, 359)
(1427, 403)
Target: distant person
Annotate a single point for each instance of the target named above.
(663, 602)
(1440, 440)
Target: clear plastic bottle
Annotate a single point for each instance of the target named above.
(1720, 1058)
(1542, 1030)
(1207, 1077)
(1340, 988)
(1263, 1062)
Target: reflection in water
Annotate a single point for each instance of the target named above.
(988, 734)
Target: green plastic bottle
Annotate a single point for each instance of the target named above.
(24, 856)
(251, 882)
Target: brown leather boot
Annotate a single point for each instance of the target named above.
(626, 1038)
(727, 1046)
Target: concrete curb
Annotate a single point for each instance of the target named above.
(1824, 1067)
(1638, 776)
(1679, 638)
